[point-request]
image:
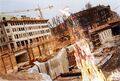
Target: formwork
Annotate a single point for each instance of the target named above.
(7, 62)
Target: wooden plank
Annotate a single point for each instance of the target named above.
(2, 67)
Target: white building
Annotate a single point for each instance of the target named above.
(20, 34)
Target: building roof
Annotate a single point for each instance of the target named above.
(99, 7)
(22, 19)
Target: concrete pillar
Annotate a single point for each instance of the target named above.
(21, 44)
(15, 45)
(28, 42)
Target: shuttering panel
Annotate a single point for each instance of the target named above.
(53, 68)
(51, 71)
(42, 68)
(57, 65)
(64, 61)
(47, 68)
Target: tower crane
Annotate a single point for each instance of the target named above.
(28, 10)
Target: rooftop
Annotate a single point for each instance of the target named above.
(20, 19)
(99, 7)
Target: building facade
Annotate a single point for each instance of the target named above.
(97, 22)
(7, 58)
(28, 38)
(95, 16)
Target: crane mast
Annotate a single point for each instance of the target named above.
(40, 12)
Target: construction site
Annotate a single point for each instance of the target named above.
(82, 46)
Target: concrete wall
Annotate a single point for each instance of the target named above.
(58, 64)
(55, 66)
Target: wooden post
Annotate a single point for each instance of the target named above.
(32, 54)
(3, 64)
(10, 61)
(39, 50)
(28, 54)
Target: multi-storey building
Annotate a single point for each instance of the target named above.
(28, 38)
(99, 23)
(95, 16)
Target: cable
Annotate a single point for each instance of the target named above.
(116, 7)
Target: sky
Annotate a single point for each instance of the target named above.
(73, 5)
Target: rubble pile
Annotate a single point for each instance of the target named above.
(113, 63)
(115, 76)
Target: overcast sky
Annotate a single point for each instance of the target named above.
(74, 5)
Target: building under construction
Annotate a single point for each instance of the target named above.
(29, 39)
(22, 41)
(98, 24)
